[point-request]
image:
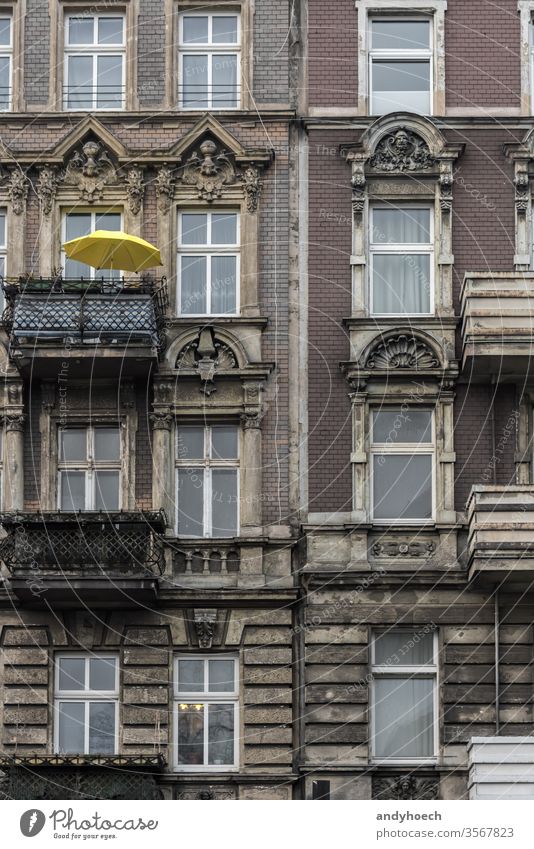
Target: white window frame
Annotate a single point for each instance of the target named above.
(377, 449)
(210, 48)
(401, 248)
(86, 696)
(209, 251)
(94, 50)
(377, 54)
(6, 51)
(91, 465)
(206, 698)
(94, 273)
(430, 671)
(206, 464)
(3, 254)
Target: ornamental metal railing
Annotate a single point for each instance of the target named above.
(83, 543)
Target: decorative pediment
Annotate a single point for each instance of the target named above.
(208, 169)
(402, 150)
(89, 127)
(206, 355)
(207, 125)
(90, 169)
(398, 352)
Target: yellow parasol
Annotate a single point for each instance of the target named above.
(113, 249)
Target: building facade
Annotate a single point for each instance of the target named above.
(266, 509)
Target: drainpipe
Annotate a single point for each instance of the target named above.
(497, 671)
(493, 445)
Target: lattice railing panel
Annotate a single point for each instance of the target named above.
(85, 783)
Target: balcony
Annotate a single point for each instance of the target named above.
(83, 558)
(498, 324)
(500, 544)
(110, 326)
(244, 563)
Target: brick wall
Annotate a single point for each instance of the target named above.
(36, 51)
(32, 448)
(271, 24)
(150, 37)
(333, 53)
(143, 448)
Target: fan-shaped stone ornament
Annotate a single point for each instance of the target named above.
(402, 352)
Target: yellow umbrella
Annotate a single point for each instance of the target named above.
(113, 249)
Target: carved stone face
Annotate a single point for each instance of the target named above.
(401, 143)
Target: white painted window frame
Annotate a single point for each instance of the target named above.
(91, 465)
(85, 696)
(378, 449)
(435, 9)
(206, 698)
(94, 273)
(94, 50)
(6, 51)
(209, 48)
(208, 250)
(377, 54)
(430, 671)
(421, 248)
(206, 464)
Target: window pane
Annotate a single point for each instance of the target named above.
(190, 502)
(224, 502)
(5, 81)
(81, 30)
(191, 676)
(220, 734)
(400, 35)
(106, 490)
(193, 284)
(102, 728)
(404, 717)
(195, 82)
(102, 673)
(71, 673)
(110, 30)
(395, 226)
(221, 676)
(80, 82)
(190, 443)
(76, 225)
(107, 444)
(223, 284)
(109, 82)
(224, 442)
(191, 734)
(5, 32)
(224, 228)
(108, 221)
(224, 29)
(404, 648)
(402, 486)
(224, 80)
(401, 283)
(401, 86)
(195, 29)
(402, 426)
(72, 490)
(194, 228)
(71, 725)
(73, 445)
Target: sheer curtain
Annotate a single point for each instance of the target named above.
(404, 717)
(401, 280)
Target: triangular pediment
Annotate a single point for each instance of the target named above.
(206, 126)
(87, 128)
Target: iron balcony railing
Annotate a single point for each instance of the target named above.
(102, 310)
(87, 543)
(94, 97)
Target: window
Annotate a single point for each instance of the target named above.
(404, 690)
(77, 224)
(3, 251)
(207, 473)
(400, 69)
(208, 263)
(95, 51)
(86, 704)
(209, 61)
(6, 62)
(89, 468)
(402, 463)
(206, 713)
(402, 260)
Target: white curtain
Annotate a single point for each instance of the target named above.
(404, 717)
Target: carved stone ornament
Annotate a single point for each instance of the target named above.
(208, 170)
(46, 188)
(206, 355)
(405, 787)
(205, 621)
(402, 352)
(165, 187)
(17, 188)
(402, 150)
(521, 183)
(15, 422)
(135, 189)
(394, 548)
(161, 421)
(358, 191)
(90, 170)
(206, 793)
(445, 189)
(250, 177)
